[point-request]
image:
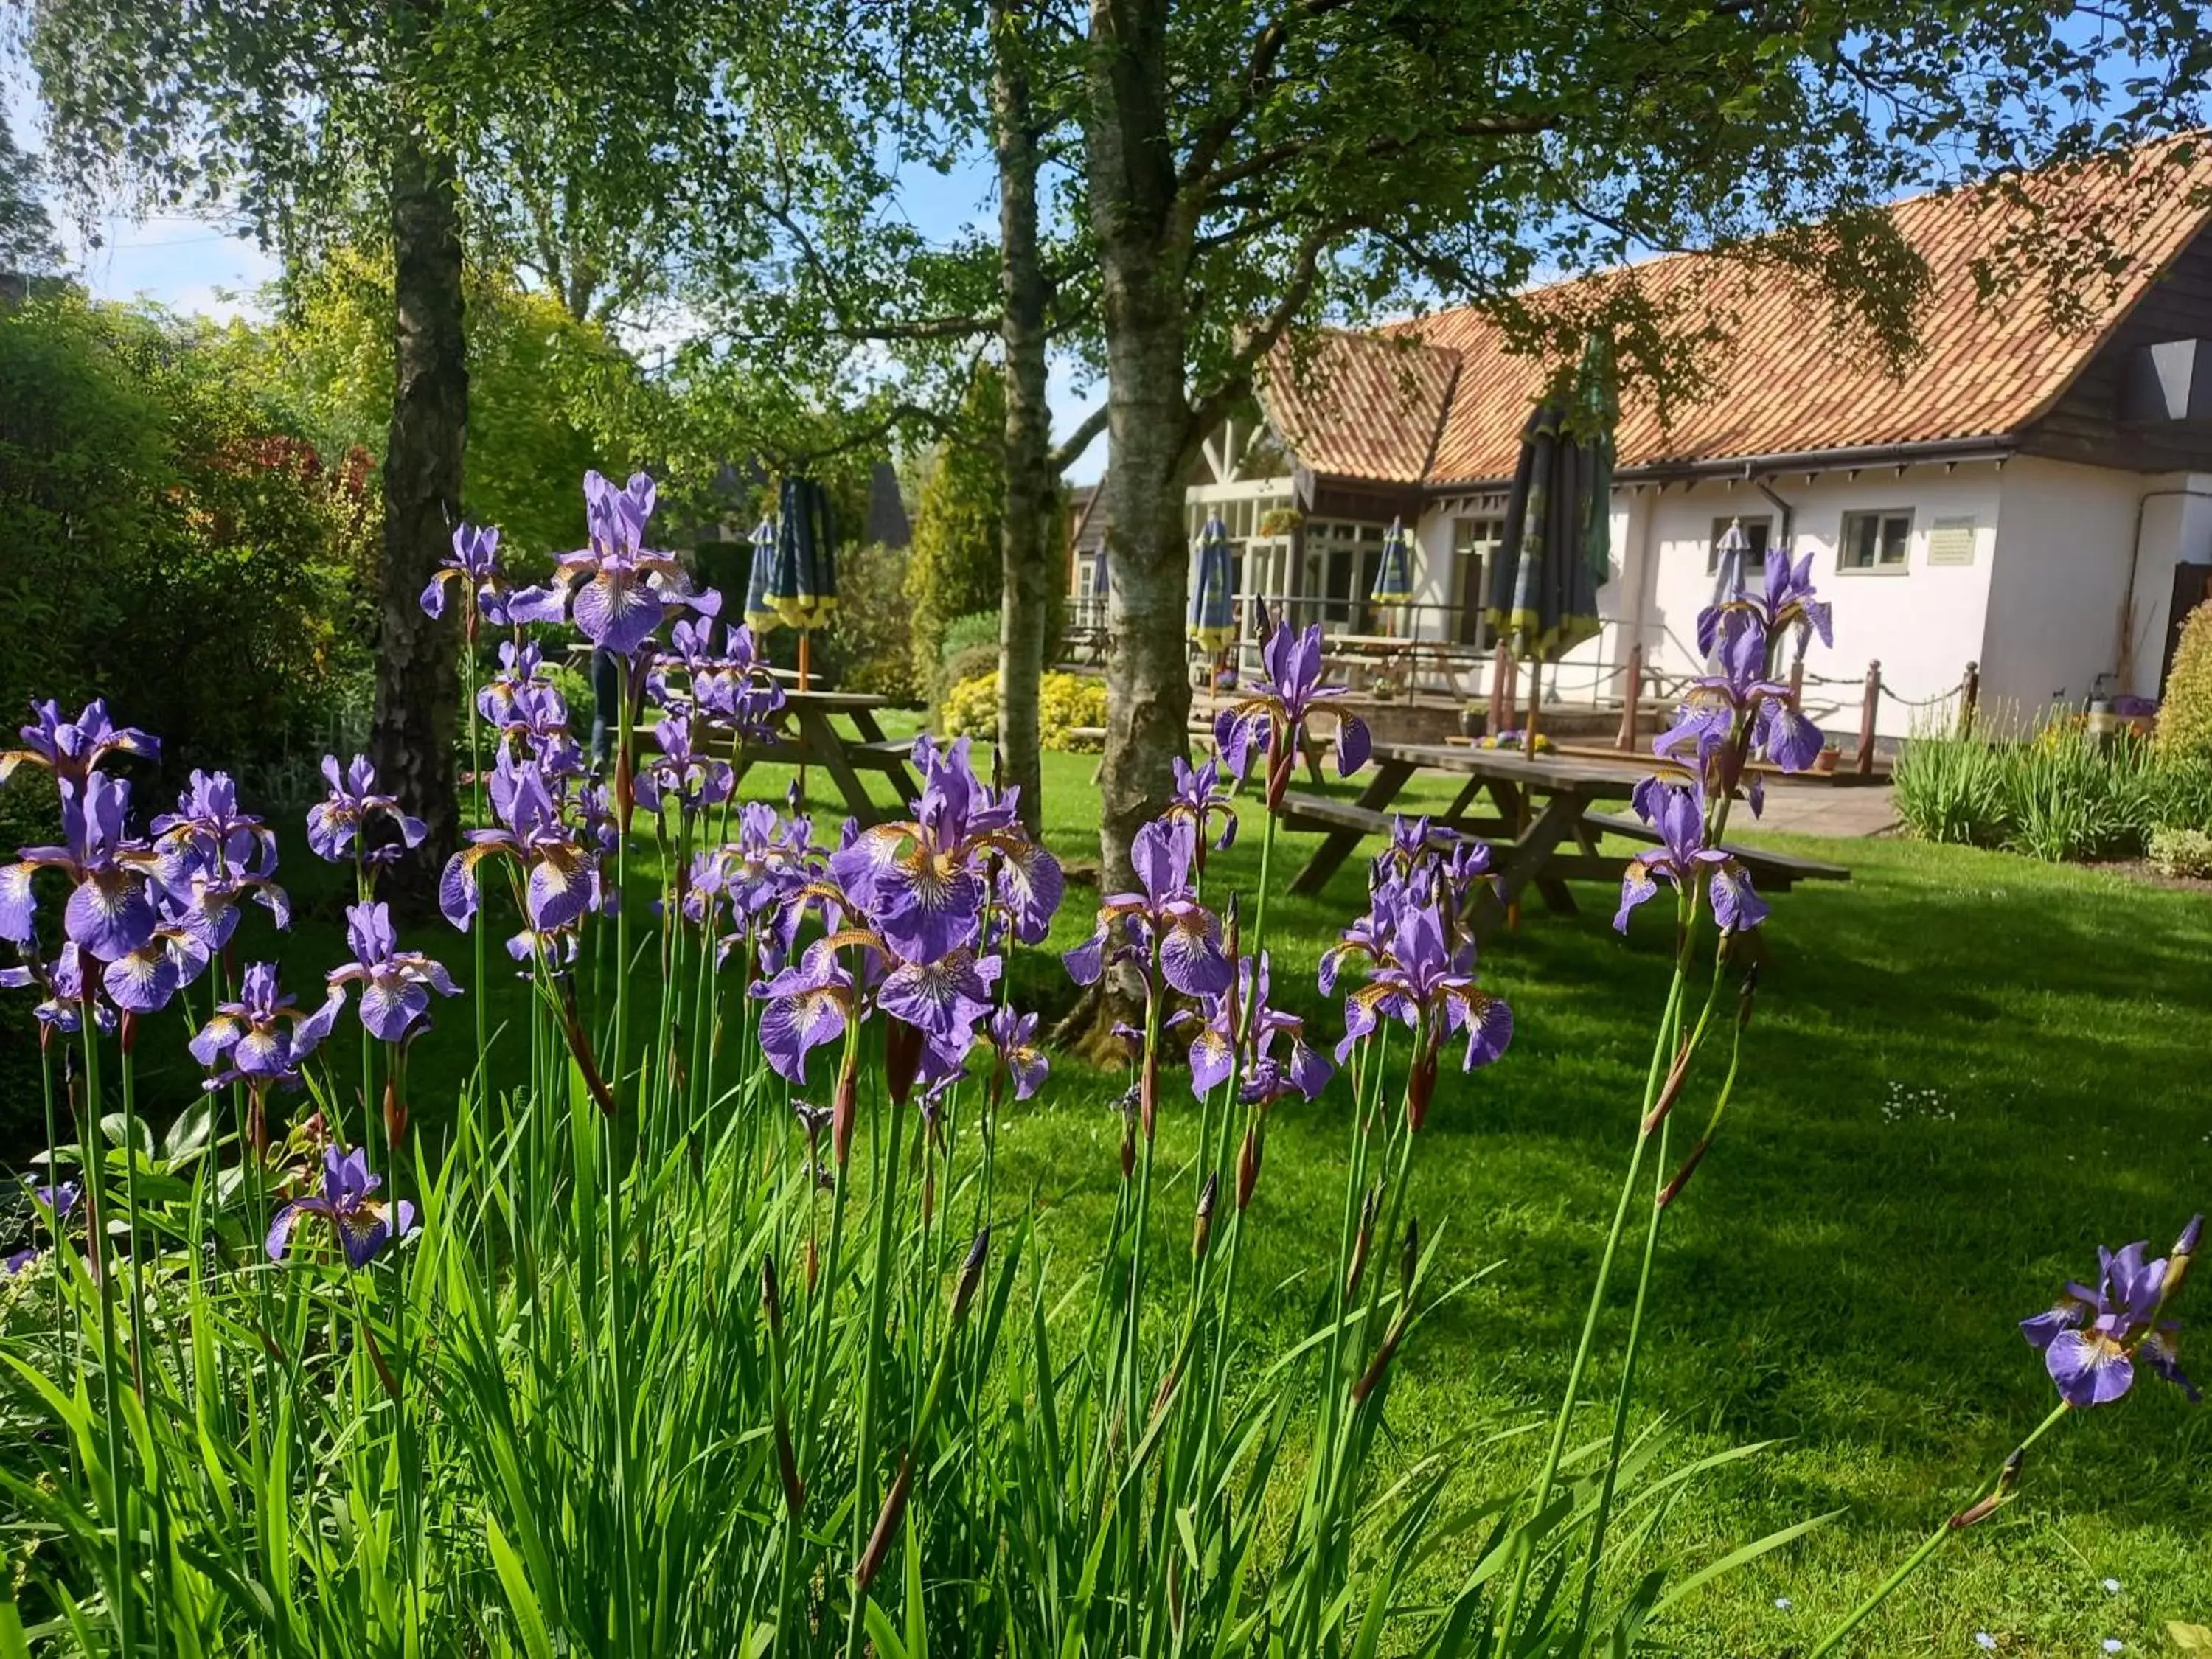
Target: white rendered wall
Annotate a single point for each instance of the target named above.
(2062, 573)
(1924, 623)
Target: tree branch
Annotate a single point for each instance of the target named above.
(1063, 455)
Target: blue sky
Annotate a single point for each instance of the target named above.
(194, 265)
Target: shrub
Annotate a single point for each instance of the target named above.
(2182, 795)
(1066, 704)
(871, 639)
(953, 570)
(171, 544)
(2185, 719)
(979, 628)
(2182, 852)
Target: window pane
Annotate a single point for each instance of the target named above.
(1896, 531)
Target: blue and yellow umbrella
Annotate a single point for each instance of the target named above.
(1212, 613)
(1394, 577)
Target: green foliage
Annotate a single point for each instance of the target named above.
(171, 546)
(2185, 717)
(979, 631)
(1067, 704)
(869, 646)
(549, 397)
(2059, 794)
(953, 570)
(2182, 852)
(27, 235)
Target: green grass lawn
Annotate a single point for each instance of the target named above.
(1967, 1071)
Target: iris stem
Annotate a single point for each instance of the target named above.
(1933, 1542)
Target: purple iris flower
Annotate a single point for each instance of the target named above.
(110, 912)
(73, 750)
(559, 877)
(474, 562)
(212, 856)
(1740, 697)
(945, 999)
(521, 665)
(921, 880)
(142, 980)
(618, 589)
(395, 984)
(1677, 811)
(1202, 797)
(759, 874)
(2091, 1337)
(1788, 601)
(1271, 719)
(336, 822)
(57, 1202)
(1013, 1039)
(264, 1036)
(60, 1009)
(1165, 916)
(682, 772)
(363, 1223)
(1421, 982)
(808, 1004)
(1267, 1077)
(737, 688)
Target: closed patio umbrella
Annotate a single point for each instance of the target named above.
(1543, 597)
(1213, 618)
(1393, 575)
(800, 588)
(1729, 555)
(760, 613)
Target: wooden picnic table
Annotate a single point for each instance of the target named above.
(806, 737)
(1531, 852)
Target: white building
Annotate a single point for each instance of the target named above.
(2032, 498)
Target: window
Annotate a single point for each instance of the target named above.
(1874, 541)
(1758, 534)
(1475, 545)
(1342, 561)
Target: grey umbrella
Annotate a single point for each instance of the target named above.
(1558, 517)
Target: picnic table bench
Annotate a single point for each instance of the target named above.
(1529, 840)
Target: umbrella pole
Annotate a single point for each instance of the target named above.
(1528, 748)
(805, 663)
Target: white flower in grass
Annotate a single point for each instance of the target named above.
(2112, 1645)
(2111, 1586)
(1982, 1639)
(1783, 1602)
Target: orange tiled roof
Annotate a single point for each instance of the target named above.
(1786, 381)
(1360, 405)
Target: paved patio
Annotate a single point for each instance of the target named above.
(1828, 809)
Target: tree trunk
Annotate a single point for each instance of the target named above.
(417, 688)
(1132, 188)
(1026, 507)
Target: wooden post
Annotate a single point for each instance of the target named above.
(1631, 699)
(1797, 682)
(1969, 696)
(1501, 683)
(1535, 699)
(805, 664)
(1867, 710)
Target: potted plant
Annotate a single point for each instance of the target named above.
(1280, 520)
(1472, 717)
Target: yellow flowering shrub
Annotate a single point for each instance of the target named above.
(1066, 703)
